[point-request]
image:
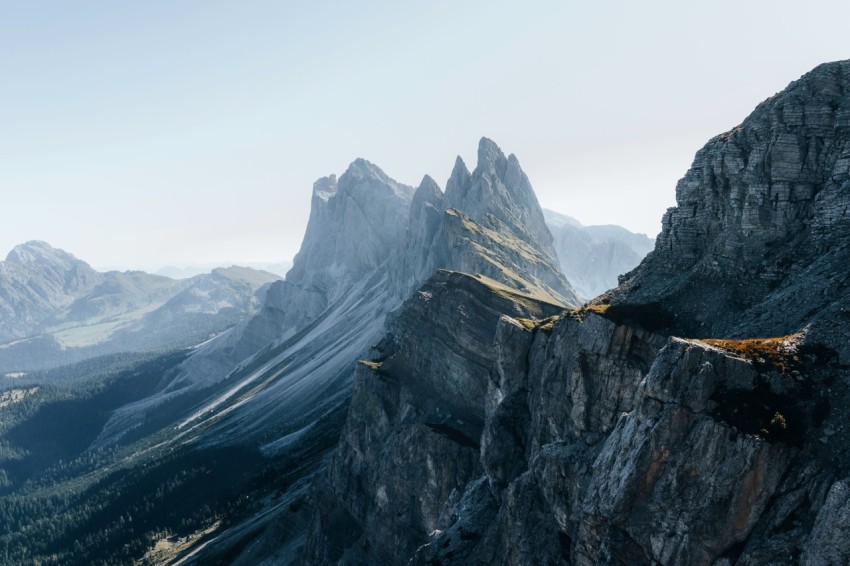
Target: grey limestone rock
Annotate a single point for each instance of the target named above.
(487, 222)
(595, 437)
(828, 542)
(36, 282)
(498, 187)
(411, 441)
(355, 224)
(761, 223)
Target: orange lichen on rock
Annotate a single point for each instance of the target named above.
(579, 313)
(777, 353)
(598, 309)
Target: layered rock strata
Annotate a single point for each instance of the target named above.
(596, 436)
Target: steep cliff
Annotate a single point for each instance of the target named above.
(355, 225)
(417, 413)
(372, 241)
(758, 243)
(595, 436)
(278, 385)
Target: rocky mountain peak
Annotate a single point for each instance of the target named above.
(325, 187)
(601, 435)
(42, 253)
(355, 224)
(487, 222)
(498, 188)
(363, 168)
(762, 214)
(460, 178)
(35, 273)
(490, 156)
(362, 178)
(428, 193)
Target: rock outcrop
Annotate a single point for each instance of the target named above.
(369, 235)
(417, 411)
(355, 225)
(499, 188)
(759, 239)
(597, 436)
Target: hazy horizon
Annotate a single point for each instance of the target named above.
(162, 134)
(170, 269)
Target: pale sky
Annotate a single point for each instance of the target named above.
(141, 134)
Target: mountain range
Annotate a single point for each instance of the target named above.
(55, 309)
(692, 415)
(190, 270)
(427, 387)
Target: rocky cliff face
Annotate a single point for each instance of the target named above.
(596, 437)
(756, 242)
(355, 225)
(278, 381)
(593, 257)
(499, 188)
(369, 235)
(416, 419)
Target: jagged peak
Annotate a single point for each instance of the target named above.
(460, 176)
(325, 187)
(35, 244)
(428, 191)
(762, 209)
(498, 186)
(490, 155)
(35, 250)
(827, 84)
(363, 169)
(428, 181)
(834, 70)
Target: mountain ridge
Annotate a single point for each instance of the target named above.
(491, 417)
(655, 425)
(281, 380)
(57, 309)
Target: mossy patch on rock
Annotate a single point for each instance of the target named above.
(779, 353)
